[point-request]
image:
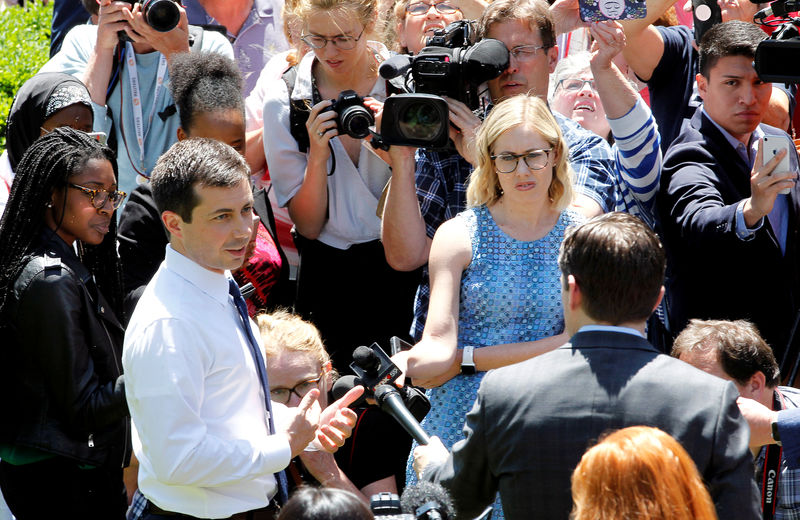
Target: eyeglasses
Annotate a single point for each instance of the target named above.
(575, 85)
(282, 395)
(534, 160)
(99, 198)
(422, 8)
(344, 43)
(526, 52)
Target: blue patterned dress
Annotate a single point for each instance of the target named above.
(510, 293)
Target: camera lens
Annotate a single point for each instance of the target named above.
(356, 120)
(161, 15)
(420, 120)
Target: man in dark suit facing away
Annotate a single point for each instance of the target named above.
(532, 421)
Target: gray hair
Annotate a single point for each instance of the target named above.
(569, 67)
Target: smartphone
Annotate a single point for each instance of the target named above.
(772, 145)
(398, 345)
(100, 137)
(706, 14)
(600, 10)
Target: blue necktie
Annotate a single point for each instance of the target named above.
(261, 368)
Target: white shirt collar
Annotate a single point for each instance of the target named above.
(211, 283)
(610, 328)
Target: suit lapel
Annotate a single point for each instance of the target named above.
(735, 169)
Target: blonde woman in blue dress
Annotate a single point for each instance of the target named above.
(495, 289)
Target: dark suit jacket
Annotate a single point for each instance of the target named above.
(533, 421)
(712, 274)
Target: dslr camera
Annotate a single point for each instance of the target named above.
(161, 15)
(451, 65)
(352, 117)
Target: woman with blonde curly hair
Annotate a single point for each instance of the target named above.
(495, 282)
(639, 472)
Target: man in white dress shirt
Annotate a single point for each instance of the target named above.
(202, 428)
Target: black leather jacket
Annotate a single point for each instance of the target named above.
(60, 364)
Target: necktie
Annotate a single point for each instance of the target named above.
(261, 368)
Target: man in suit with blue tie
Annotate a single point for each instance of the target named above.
(730, 235)
(532, 421)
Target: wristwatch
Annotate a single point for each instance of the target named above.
(776, 436)
(467, 363)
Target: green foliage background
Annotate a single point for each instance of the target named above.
(24, 48)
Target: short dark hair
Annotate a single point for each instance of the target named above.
(91, 6)
(321, 503)
(618, 263)
(204, 82)
(740, 349)
(535, 12)
(190, 163)
(734, 38)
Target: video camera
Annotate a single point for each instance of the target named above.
(775, 55)
(161, 15)
(451, 65)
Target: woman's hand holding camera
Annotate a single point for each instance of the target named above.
(321, 126)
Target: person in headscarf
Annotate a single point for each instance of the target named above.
(46, 101)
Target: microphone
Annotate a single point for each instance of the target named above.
(366, 359)
(343, 385)
(779, 8)
(395, 66)
(428, 501)
(391, 402)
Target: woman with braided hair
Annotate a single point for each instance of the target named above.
(65, 432)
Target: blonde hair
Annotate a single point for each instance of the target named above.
(521, 110)
(639, 472)
(365, 11)
(284, 332)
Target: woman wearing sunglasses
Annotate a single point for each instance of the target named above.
(416, 20)
(298, 363)
(495, 282)
(65, 433)
(332, 189)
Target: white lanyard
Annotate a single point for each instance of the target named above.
(133, 78)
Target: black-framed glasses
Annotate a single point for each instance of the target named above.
(534, 160)
(575, 84)
(282, 395)
(99, 198)
(422, 8)
(345, 43)
(526, 52)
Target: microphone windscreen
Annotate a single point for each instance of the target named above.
(424, 492)
(394, 66)
(343, 385)
(365, 358)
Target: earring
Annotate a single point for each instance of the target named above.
(48, 205)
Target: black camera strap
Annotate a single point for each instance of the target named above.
(772, 469)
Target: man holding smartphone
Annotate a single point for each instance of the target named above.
(731, 238)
